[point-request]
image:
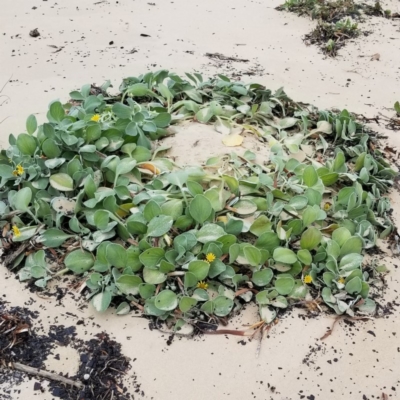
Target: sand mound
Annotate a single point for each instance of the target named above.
(193, 143)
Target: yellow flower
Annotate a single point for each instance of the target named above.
(202, 285)
(307, 279)
(20, 169)
(15, 172)
(341, 280)
(16, 231)
(95, 118)
(327, 206)
(210, 257)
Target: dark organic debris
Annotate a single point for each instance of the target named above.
(23, 350)
(221, 57)
(34, 33)
(337, 20)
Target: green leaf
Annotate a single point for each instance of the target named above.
(116, 255)
(305, 257)
(159, 225)
(123, 308)
(128, 284)
(310, 215)
(153, 276)
(190, 280)
(31, 124)
(146, 290)
(79, 261)
(50, 148)
(351, 262)
(162, 120)
(101, 301)
(284, 255)
(151, 257)
(101, 219)
(267, 314)
(268, 241)
(261, 225)
(26, 144)
(222, 306)
(187, 303)
(341, 235)
(310, 176)
(310, 239)
(199, 269)
(352, 245)
(57, 111)
(53, 237)
(200, 208)
(138, 90)
(62, 182)
(397, 108)
(25, 233)
(284, 284)
(252, 255)
(354, 285)
(166, 300)
(262, 277)
(151, 210)
(122, 111)
(22, 199)
(209, 233)
(330, 179)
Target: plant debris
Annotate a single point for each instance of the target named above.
(34, 33)
(337, 20)
(101, 369)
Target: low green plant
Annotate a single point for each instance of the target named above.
(92, 187)
(397, 108)
(335, 20)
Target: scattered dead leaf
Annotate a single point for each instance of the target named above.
(232, 140)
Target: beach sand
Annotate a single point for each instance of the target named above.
(102, 40)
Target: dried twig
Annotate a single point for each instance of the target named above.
(45, 374)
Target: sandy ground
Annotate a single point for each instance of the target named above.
(101, 40)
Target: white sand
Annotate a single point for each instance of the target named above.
(350, 364)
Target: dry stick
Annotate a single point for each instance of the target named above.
(343, 317)
(12, 256)
(46, 374)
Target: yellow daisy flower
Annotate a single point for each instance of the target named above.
(327, 206)
(95, 118)
(307, 279)
(210, 257)
(202, 285)
(341, 280)
(20, 169)
(16, 231)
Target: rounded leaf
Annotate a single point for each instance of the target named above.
(62, 182)
(79, 261)
(166, 300)
(186, 303)
(222, 306)
(26, 144)
(200, 208)
(284, 284)
(129, 284)
(304, 256)
(310, 239)
(284, 255)
(262, 277)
